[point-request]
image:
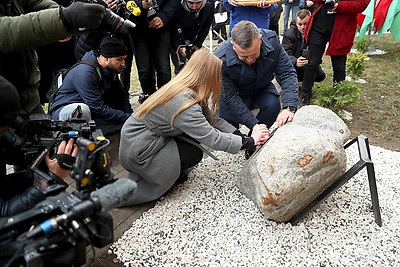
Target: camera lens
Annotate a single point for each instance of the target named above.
(115, 23)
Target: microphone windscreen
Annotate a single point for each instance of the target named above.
(112, 195)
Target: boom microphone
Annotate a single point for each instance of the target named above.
(104, 199)
(112, 195)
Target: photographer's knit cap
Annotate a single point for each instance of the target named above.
(112, 47)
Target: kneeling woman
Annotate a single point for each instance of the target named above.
(159, 143)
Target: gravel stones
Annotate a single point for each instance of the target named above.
(206, 221)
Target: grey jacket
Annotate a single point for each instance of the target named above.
(150, 154)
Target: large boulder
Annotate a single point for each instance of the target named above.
(298, 162)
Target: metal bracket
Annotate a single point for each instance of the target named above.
(365, 160)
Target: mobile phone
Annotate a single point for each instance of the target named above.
(305, 53)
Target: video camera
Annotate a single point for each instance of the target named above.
(57, 230)
(41, 134)
(188, 46)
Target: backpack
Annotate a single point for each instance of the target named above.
(56, 84)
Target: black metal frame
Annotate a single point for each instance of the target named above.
(365, 160)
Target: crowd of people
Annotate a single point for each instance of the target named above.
(207, 100)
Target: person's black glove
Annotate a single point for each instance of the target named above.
(247, 144)
(82, 15)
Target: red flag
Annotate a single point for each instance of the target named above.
(360, 19)
(381, 10)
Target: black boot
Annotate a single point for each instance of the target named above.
(183, 176)
(306, 98)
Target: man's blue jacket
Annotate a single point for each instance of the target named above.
(241, 81)
(106, 97)
(259, 16)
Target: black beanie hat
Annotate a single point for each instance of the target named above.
(9, 102)
(112, 47)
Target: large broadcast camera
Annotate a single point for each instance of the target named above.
(57, 230)
(37, 136)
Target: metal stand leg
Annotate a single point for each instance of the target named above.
(365, 160)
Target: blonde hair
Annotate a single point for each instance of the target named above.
(201, 74)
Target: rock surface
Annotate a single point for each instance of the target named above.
(206, 221)
(300, 161)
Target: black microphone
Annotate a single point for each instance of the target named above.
(104, 199)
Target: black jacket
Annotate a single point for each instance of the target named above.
(166, 10)
(194, 29)
(293, 42)
(241, 81)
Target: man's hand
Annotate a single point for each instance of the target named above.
(182, 51)
(284, 117)
(263, 4)
(232, 2)
(82, 15)
(156, 23)
(309, 3)
(112, 4)
(195, 48)
(260, 134)
(334, 7)
(145, 4)
(301, 61)
(69, 148)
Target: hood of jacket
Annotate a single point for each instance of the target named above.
(184, 5)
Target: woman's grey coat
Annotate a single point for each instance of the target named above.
(150, 154)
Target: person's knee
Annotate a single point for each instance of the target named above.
(320, 76)
(197, 155)
(86, 114)
(269, 109)
(76, 110)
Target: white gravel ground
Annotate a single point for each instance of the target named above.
(207, 222)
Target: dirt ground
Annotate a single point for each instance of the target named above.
(360, 126)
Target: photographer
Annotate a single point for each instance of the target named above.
(17, 191)
(96, 90)
(334, 22)
(293, 43)
(189, 28)
(26, 24)
(150, 42)
(251, 59)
